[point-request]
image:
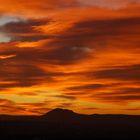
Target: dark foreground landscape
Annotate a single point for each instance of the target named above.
(65, 124)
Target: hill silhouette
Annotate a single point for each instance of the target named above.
(59, 113)
(66, 124)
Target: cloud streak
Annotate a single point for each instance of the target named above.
(67, 59)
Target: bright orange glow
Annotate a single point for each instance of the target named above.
(72, 54)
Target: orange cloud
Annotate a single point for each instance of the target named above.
(78, 57)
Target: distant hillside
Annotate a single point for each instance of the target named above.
(66, 124)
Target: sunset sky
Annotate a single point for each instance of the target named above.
(82, 55)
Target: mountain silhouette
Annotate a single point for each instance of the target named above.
(59, 114)
(66, 124)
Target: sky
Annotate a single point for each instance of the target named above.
(74, 54)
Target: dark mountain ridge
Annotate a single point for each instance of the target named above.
(66, 124)
(59, 113)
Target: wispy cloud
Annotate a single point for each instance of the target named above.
(72, 54)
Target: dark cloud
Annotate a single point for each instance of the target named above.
(87, 87)
(78, 35)
(121, 73)
(91, 108)
(71, 48)
(109, 27)
(66, 55)
(24, 75)
(97, 31)
(67, 97)
(24, 30)
(72, 43)
(131, 90)
(122, 94)
(59, 55)
(23, 26)
(128, 98)
(132, 109)
(75, 93)
(30, 38)
(113, 97)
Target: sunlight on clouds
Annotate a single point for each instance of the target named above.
(78, 55)
(6, 56)
(28, 44)
(22, 98)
